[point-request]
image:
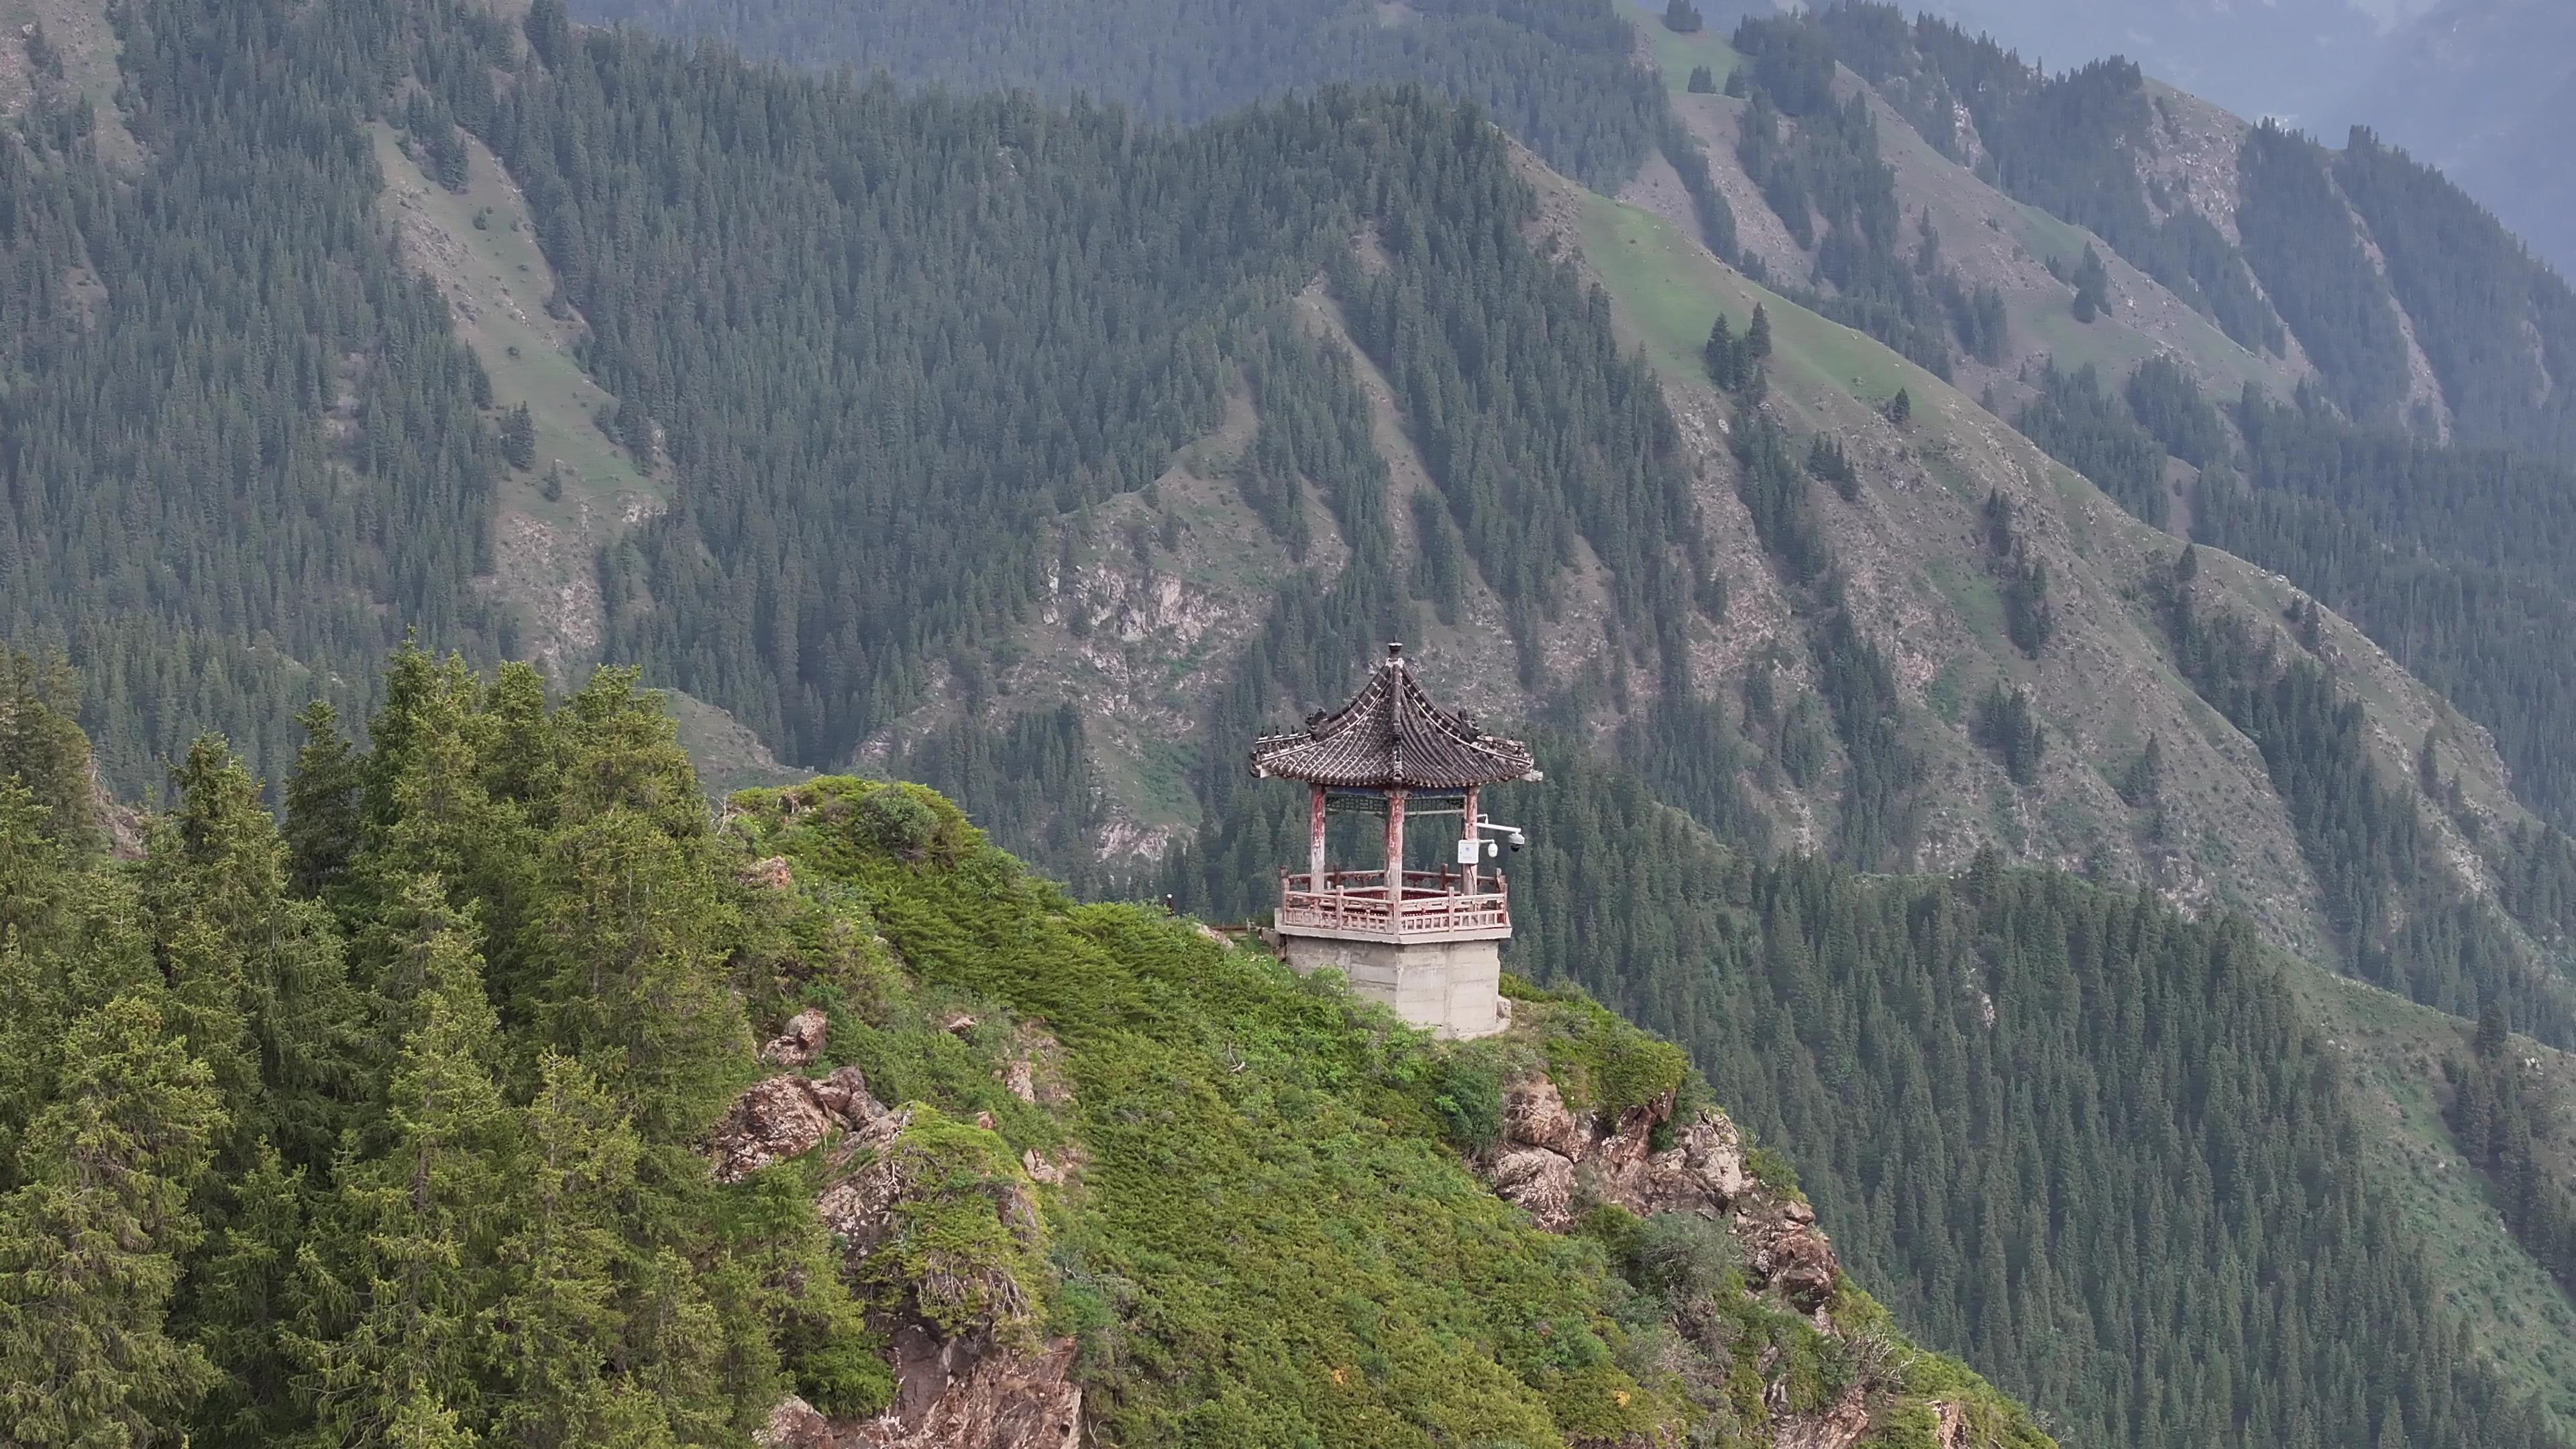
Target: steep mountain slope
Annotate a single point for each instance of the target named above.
(446, 1125)
(1555, 74)
(2483, 89)
(1050, 457)
(2478, 87)
(2291, 58)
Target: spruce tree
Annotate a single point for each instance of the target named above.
(2092, 286)
(406, 1262)
(556, 1320)
(239, 1304)
(322, 802)
(1724, 356)
(519, 437)
(91, 1243)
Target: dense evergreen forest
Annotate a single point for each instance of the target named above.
(391, 1126)
(339, 488)
(2096, 1145)
(244, 452)
(2080, 1140)
(2060, 142)
(2447, 557)
(1557, 75)
(1072, 353)
(2513, 1126)
(2477, 301)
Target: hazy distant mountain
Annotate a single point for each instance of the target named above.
(2486, 90)
(2483, 89)
(2286, 58)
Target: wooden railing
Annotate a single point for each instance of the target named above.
(1434, 902)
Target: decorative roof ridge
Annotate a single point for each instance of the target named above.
(1392, 735)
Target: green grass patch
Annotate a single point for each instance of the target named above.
(1668, 291)
(2519, 1320)
(1678, 55)
(498, 281)
(1274, 1242)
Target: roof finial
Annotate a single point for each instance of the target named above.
(1394, 651)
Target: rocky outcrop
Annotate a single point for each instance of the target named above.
(982, 1382)
(969, 1394)
(786, 1116)
(798, 1042)
(1547, 1158)
(1838, 1427)
(1786, 1253)
(1549, 1162)
(949, 1397)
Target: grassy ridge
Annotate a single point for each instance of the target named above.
(1270, 1237)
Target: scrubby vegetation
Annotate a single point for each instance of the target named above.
(387, 1128)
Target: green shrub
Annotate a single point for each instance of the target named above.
(1771, 1169)
(892, 820)
(1681, 1256)
(1471, 1102)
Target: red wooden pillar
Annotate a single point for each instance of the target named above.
(1476, 837)
(1395, 849)
(1315, 841)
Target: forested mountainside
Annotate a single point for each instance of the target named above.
(1014, 445)
(2483, 89)
(2289, 58)
(1556, 75)
(2480, 88)
(434, 1117)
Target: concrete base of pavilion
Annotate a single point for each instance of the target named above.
(1452, 988)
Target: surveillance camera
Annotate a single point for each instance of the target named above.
(1519, 840)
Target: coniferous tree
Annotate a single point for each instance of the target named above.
(92, 1241)
(519, 437)
(322, 802)
(2092, 286)
(2006, 724)
(392, 1300)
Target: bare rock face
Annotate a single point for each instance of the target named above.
(1549, 1161)
(967, 1394)
(977, 1389)
(1839, 1427)
(800, 1041)
(1539, 1182)
(771, 874)
(950, 1394)
(1534, 1115)
(1785, 1252)
(785, 1116)
(859, 1208)
(1703, 1172)
(794, 1424)
(1950, 1424)
(1548, 1158)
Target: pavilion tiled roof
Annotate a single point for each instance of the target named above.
(1392, 737)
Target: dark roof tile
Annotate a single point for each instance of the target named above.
(1391, 736)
